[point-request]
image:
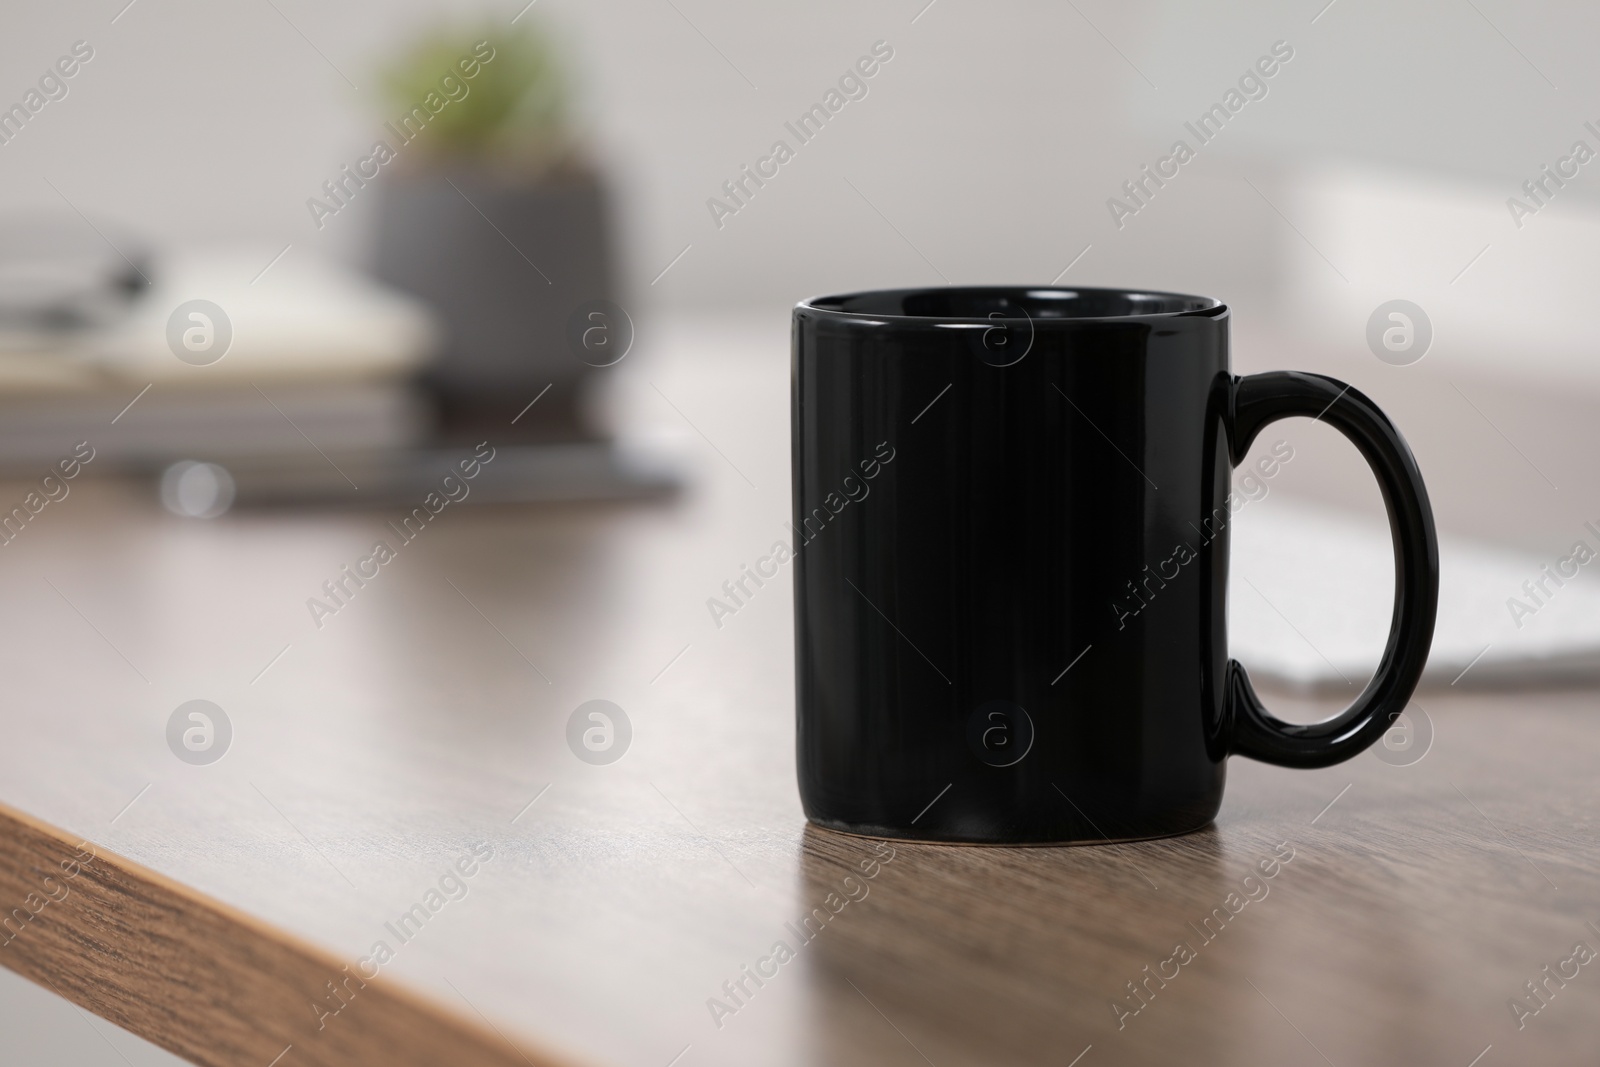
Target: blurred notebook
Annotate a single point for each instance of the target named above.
(1311, 592)
(317, 354)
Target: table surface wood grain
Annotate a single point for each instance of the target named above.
(420, 732)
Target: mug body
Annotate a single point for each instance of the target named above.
(1011, 552)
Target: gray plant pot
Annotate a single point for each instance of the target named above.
(510, 269)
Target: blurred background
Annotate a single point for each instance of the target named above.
(1377, 166)
(198, 223)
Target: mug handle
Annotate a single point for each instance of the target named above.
(1258, 399)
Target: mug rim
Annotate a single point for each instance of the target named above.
(1205, 306)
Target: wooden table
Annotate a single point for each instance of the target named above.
(208, 907)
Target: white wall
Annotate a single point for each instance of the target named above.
(991, 141)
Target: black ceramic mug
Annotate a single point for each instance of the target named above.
(1011, 509)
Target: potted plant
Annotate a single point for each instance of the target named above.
(490, 213)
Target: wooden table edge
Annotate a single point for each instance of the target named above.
(208, 982)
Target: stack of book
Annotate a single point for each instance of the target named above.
(281, 363)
